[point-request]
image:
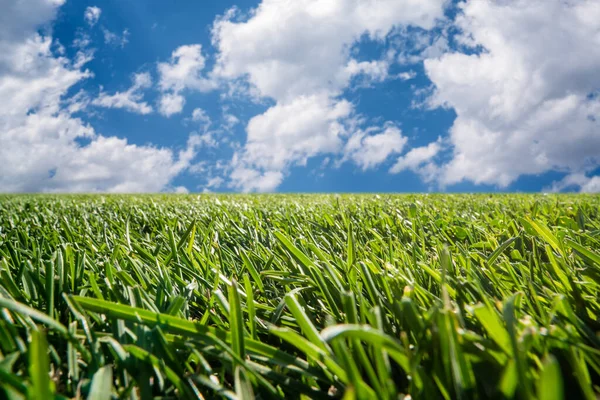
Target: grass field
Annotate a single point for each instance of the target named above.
(297, 296)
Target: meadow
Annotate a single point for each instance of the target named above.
(300, 296)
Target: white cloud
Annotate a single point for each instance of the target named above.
(250, 180)
(131, 99)
(297, 52)
(83, 57)
(412, 47)
(212, 135)
(578, 181)
(207, 139)
(182, 72)
(416, 157)
(230, 120)
(84, 53)
(199, 115)
(114, 39)
(592, 185)
(371, 71)
(181, 190)
(523, 104)
(32, 79)
(110, 164)
(420, 161)
(170, 104)
(19, 19)
(39, 136)
(300, 47)
(369, 150)
(406, 76)
(92, 15)
(215, 182)
(290, 133)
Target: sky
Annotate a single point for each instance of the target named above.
(299, 96)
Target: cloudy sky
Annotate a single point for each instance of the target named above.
(299, 95)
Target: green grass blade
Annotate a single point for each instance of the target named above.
(39, 367)
(550, 384)
(236, 323)
(102, 384)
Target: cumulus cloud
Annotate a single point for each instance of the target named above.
(591, 186)
(577, 181)
(92, 15)
(40, 146)
(181, 72)
(416, 157)
(131, 99)
(297, 52)
(421, 161)
(252, 180)
(290, 133)
(412, 46)
(369, 149)
(297, 47)
(110, 164)
(170, 104)
(525, 93)
(19, 19)
(371, 71)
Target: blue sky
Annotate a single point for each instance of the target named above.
(300, 96)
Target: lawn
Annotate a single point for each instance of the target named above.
(300, 296)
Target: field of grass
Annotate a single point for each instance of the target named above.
(297, 296)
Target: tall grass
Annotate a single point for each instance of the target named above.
(354, 297)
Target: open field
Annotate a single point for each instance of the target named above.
(297, 296)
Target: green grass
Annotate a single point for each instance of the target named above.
(354, 297)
